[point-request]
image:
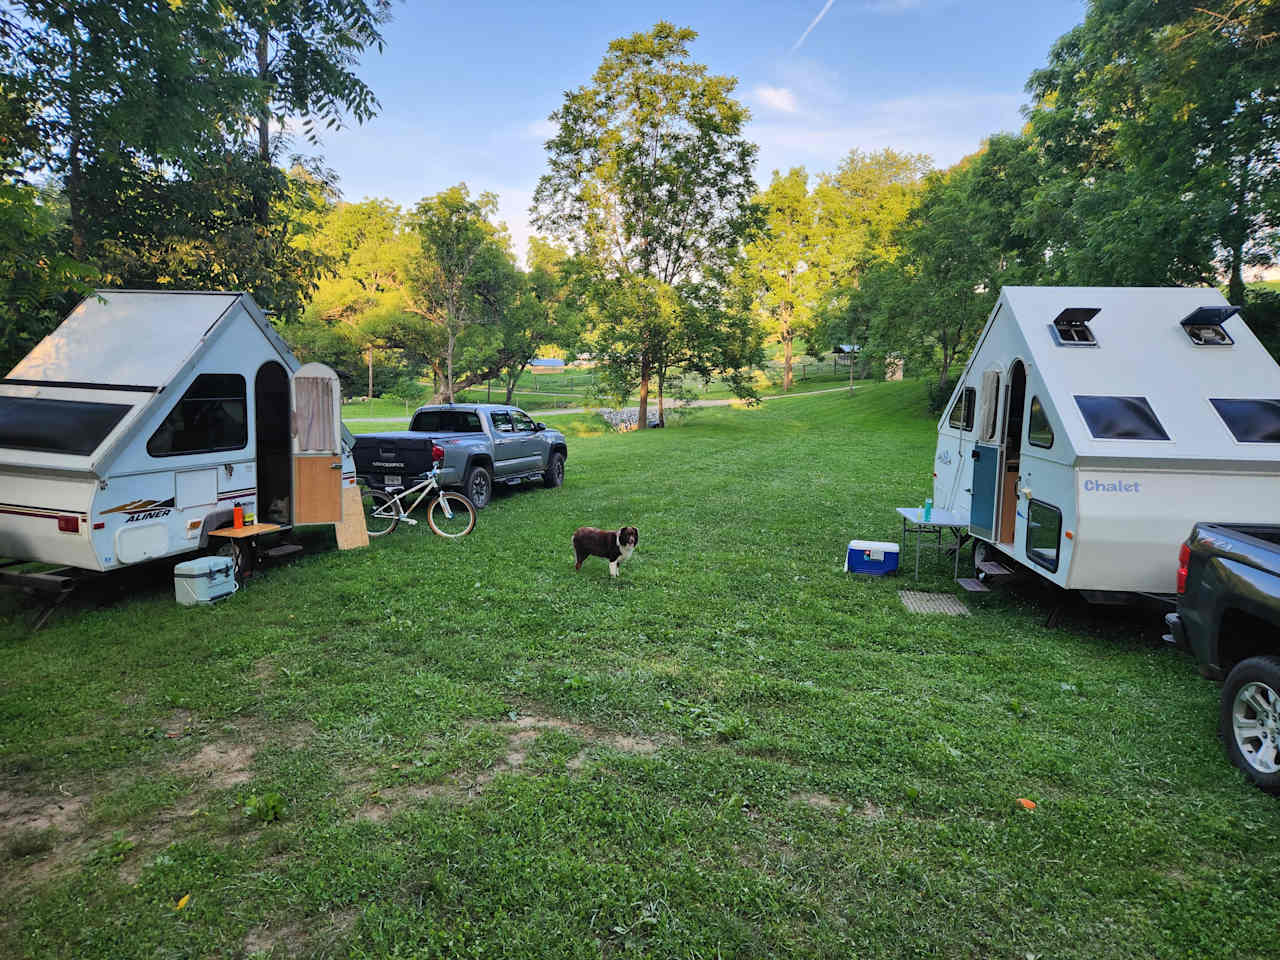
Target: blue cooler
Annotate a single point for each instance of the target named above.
(876, 557)
(203, 580)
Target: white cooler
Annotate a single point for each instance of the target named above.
(203, 580)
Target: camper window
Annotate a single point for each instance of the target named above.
(990, 404)
(1039, 430)
(962, 410)
(1044, 534)
(1121, 418)
(1250, 421)
(57, 426)
(211, 416)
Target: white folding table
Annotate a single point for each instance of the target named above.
(914, 524)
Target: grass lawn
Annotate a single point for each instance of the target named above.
(467, 749)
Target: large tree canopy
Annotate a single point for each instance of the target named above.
(650, 177)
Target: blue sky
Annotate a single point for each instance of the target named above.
(466, 88)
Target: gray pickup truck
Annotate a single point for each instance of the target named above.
(483, 443)
(1228, 618)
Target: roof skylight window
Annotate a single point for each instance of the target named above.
(1071, 328)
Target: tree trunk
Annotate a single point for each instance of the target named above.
(512, 379)
(262, 199)
(786, 360)
(643, 422)
(371, 371)
(448, 359)
(1235, 286)
(75, 171)
(662, 407)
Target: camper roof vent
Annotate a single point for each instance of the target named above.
(1204, 326)
(1070, 328)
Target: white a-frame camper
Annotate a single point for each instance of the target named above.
(138, 425)
(1094, 426)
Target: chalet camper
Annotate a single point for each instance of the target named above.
(141, 422)
(1093, 426)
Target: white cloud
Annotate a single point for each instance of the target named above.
(813, 23)
(776, 98)
(947, 126)
(541, 130)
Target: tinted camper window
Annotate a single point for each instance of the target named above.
(962, 410)
(1044, 534)
(1039, 430)
(57, 426)
(1121, 418)
(1251, 421)
(211, 416)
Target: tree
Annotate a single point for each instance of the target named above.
(545, 310)
(1161, 139)
(370, 248)
(465, 270)
(122, 88)
(650, 177)
(785, 267)
(862, 205)
(301, 53)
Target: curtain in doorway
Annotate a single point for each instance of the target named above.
(314, 418)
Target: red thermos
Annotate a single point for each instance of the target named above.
(237, 516)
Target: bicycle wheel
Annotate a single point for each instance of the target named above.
(462, 521)
(380, 514)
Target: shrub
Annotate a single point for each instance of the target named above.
(939, 394)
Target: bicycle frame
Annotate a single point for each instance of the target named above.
(427, 486)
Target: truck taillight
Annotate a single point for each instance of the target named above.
(69, 524)
(1184, 559)
(437, 453)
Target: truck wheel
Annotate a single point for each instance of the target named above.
(478, 487)
(554, 476)
(1250, 720)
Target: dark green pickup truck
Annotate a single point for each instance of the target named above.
(1228, 618)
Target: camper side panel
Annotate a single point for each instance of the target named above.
(1132, 522)
(30, 516)
(159, 505)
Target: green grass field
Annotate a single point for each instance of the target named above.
(574, 388)
(466, 749)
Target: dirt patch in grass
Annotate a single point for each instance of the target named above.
(24, 812)
(826, 802)
(299, 936)
(384, 804)
(221, 764)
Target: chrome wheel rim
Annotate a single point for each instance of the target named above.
(557, 470)
(480, 488)
(1255, 722)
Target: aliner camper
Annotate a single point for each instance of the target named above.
(138, 425)
(1094, 426)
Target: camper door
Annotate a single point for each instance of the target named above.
(317, 445)
(986, 460)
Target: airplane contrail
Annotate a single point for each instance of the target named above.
(821, 13)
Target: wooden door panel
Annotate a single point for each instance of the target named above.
(317, 489)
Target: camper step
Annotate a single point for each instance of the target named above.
(282, 551)
(973, 585)
(992, 569)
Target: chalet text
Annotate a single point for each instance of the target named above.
(1118, 486)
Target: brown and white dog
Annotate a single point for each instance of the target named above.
(614, 545)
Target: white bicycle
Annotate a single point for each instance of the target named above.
(449, 515)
